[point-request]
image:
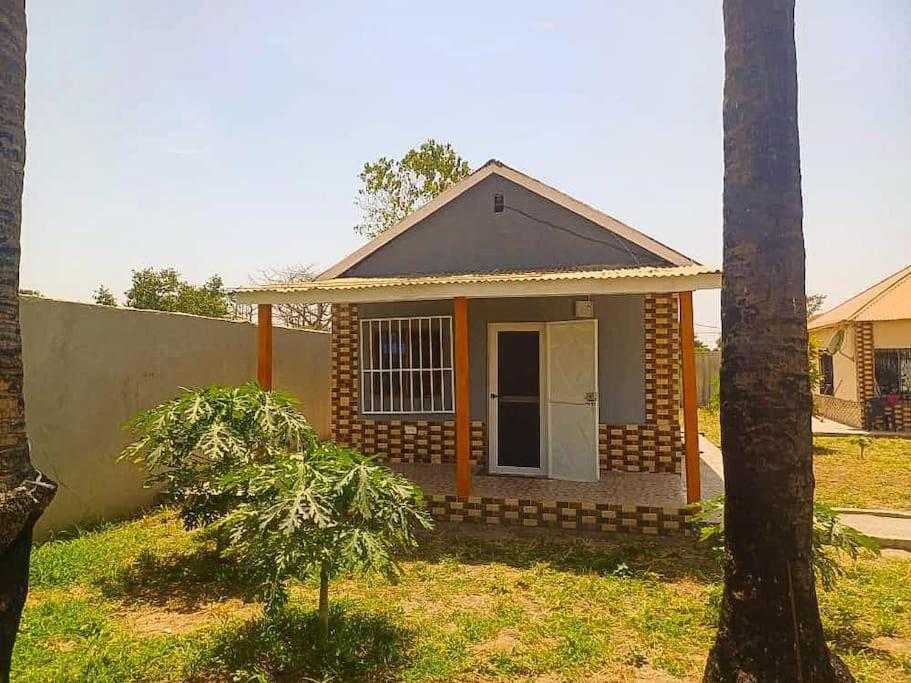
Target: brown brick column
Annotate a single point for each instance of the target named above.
(344, 343)
(657, 445)
(864, 362)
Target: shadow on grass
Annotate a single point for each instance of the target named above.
(360, 647)
(668, 558)
(823, 450)
(182, 581)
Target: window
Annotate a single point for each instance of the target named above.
(893, 371)
(406, 365)
(827, 382)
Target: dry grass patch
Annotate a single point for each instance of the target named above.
(147, 621)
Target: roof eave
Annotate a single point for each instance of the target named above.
(482, 290)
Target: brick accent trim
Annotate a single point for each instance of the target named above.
(639, 448)
(656, 446)
(839, 409)
(864, 361)
(390, 440)
(571, 516)
(902, 416)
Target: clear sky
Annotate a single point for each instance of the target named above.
(226, 137)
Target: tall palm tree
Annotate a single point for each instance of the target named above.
(770, 628)
(23, 492)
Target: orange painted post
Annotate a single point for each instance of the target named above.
(463, 433)
(264, 350)
(690, 416)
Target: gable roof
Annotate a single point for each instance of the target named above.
(889, 299)
(492, 167)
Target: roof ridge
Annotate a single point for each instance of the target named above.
(851, 308)
(899, 279)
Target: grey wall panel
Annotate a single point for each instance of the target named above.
(621, 345)
(466, 236)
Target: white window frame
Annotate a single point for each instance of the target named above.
(375, 405)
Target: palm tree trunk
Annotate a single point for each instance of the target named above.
(23, 494)
(770, 628)
(322, 623)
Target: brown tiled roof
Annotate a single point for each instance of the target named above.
(886, 300)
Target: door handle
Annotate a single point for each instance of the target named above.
(494, 396)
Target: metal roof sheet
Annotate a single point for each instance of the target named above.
(352, 283)
(889, 299)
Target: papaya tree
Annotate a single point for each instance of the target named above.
(324, 513)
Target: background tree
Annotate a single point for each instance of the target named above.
(24, 492)
(815, 302)
(31, 292)
(306, 316)
(104, 297)
(391, 189)
(769, 627)
(164, 290)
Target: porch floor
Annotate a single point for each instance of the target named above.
(648, 489)
(615, 488)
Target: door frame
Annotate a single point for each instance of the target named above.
(492, 413)
(597, 402)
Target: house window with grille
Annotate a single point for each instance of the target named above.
(406, 365)
(827, 382)
(893, 371)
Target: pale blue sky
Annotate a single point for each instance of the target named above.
(227, 136)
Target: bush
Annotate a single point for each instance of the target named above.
(831, 538)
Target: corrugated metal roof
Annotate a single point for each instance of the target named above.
(886, 300)
(355, 283)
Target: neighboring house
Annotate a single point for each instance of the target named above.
(517, 353)
(866, 357)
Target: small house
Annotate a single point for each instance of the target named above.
(519, 354)
(865, 358)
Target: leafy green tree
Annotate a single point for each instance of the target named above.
(328, 512)
(104, 297)
(194, 445)
(393, 188)
(246, 464)
(164, 290)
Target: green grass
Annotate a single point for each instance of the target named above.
(146, 601)
(881, 479)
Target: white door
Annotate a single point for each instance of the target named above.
(572, 399)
